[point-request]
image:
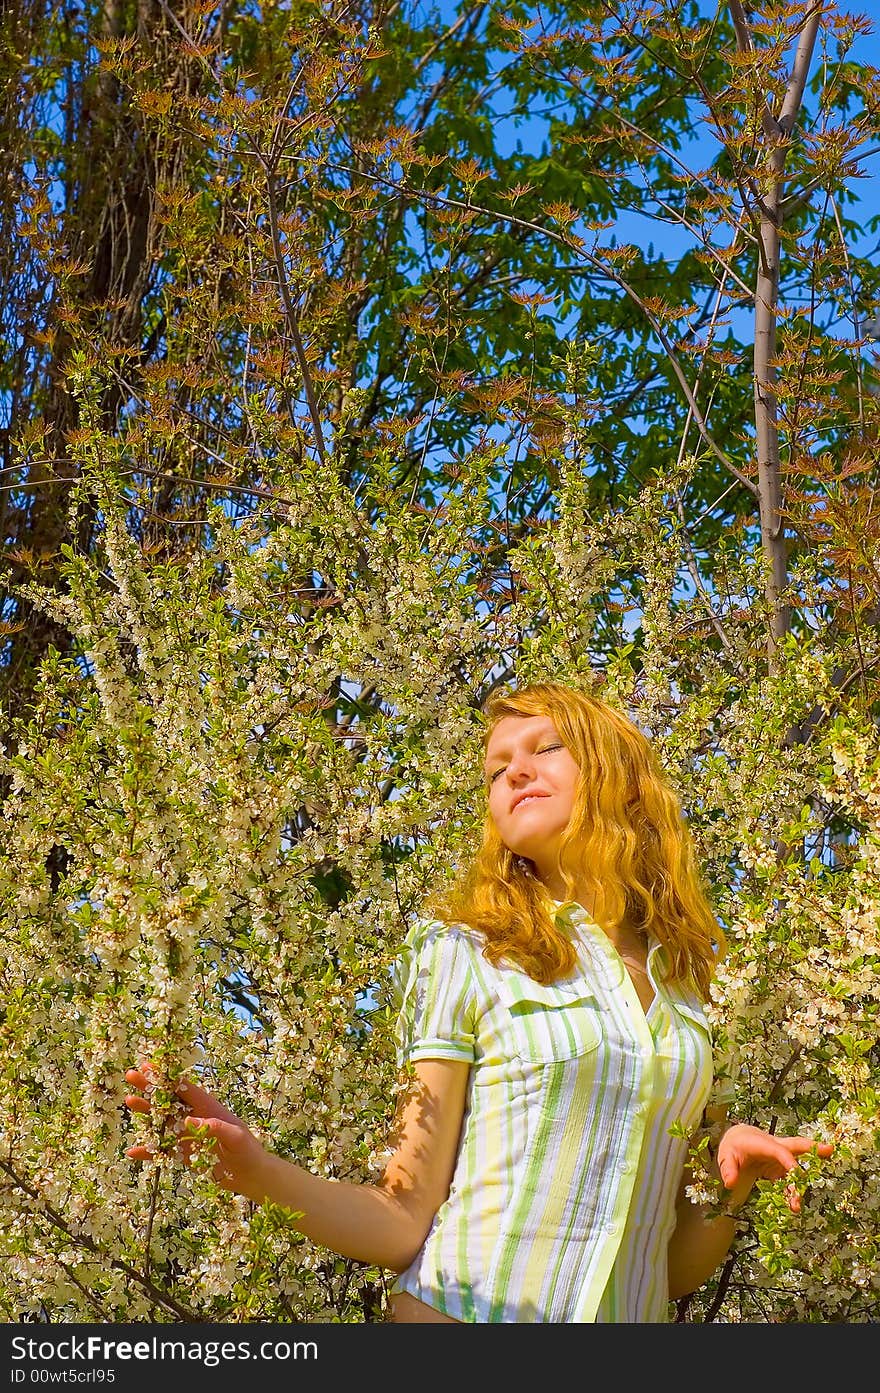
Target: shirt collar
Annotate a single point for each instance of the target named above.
(568, 912)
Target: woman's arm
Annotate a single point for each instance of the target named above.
(384, 1223)
(746, 1154)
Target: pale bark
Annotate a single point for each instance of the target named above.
(770, 216)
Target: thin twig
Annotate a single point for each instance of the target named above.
(598, 264)
(44, 1208)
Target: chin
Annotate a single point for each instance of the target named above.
(529, 851)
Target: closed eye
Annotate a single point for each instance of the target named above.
(544, 750)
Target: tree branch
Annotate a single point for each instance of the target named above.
(83, 1241)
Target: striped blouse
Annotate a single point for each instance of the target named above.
(562, 1202)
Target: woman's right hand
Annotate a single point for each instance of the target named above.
(240, 1160)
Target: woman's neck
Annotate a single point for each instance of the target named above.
(556, 889)
(625, 937)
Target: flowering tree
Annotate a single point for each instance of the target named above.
(303, 464)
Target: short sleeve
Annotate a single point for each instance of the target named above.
(433, 991)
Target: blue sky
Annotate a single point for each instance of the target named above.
(528, 131)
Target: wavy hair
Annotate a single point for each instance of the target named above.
(627, 843)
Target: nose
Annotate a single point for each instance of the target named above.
(520, 767)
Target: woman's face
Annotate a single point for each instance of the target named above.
(533, 779)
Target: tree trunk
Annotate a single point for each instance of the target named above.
(777, 133)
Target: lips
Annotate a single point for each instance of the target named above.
(525, 798)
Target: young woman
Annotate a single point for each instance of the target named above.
(552, 1018)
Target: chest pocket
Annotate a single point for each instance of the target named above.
(549, 1023)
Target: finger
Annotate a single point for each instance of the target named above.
(777, 1166)
(142, 1077)
(197, 1100)
(207, 1126)
(729, 1171)
(799, 1146)
(136, 1103)
(205, 1104)
(203, 1141)
(212, 1132)
(145, 1075)
(149, 1153)
(793, 1199)
(140, 1153)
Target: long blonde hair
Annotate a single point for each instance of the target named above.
(635, 852)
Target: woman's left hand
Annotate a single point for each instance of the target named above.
(747, 1154)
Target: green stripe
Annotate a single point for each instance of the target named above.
(556, 1133)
